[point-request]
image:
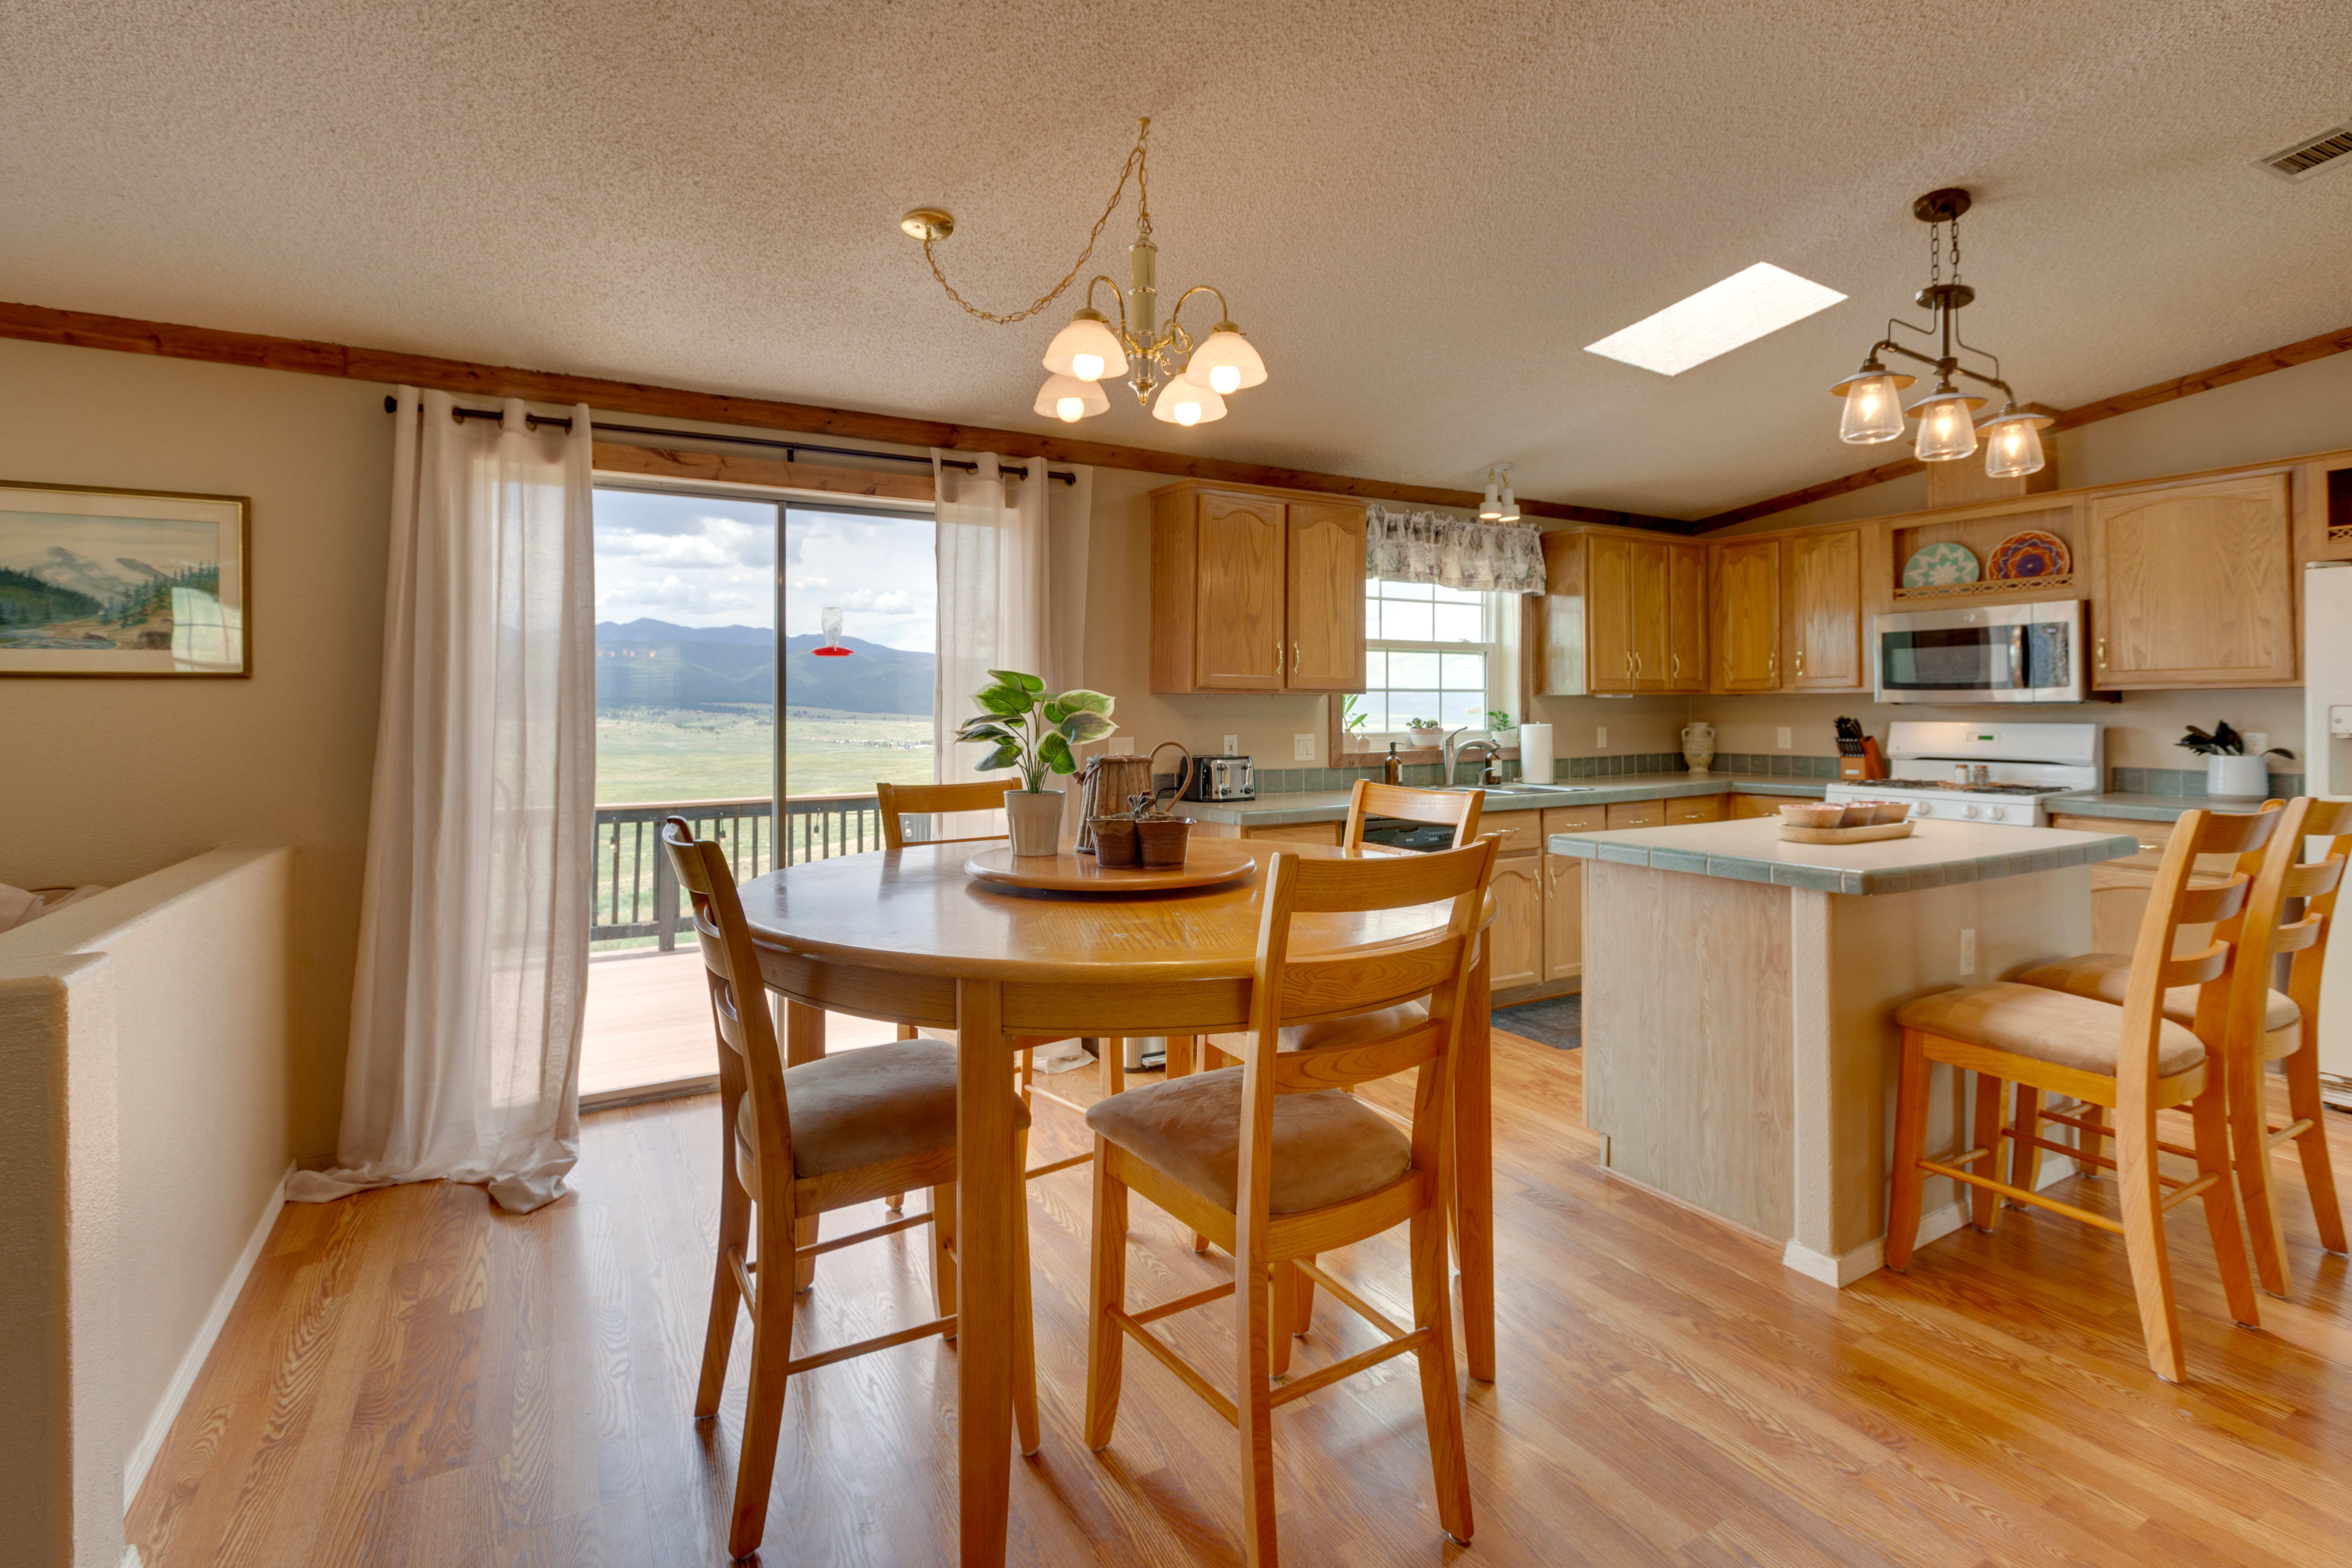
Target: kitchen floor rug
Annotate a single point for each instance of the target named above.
(1557, 1021)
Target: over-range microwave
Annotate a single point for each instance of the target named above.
(1983, 653)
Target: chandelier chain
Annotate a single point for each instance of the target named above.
(1955, 248)
(1133, 166)
(1935, 255)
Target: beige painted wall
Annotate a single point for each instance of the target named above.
(113, 779)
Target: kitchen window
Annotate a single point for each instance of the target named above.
(1432, 653)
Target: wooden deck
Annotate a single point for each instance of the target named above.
(650, 1025)
(412, 1377)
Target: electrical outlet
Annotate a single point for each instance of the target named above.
(1120, 745)
(1232, 745)
(1600, 737)
(1302, 748)
(1968, 949)
(1788, 737)
(2257, 741)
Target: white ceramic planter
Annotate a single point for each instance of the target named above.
(1035, 818)
(2245, 778)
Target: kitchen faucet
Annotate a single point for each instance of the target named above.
(1492, 774)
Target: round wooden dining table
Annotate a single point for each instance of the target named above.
(907, 936)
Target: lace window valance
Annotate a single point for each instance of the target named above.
(1451, 552)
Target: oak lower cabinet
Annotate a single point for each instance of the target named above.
(1622, 612)
(2193, 586)
(2120, 889)
(1255, 590)
(1745, 576)
(1746, 806)
(1516, 938)
(1563, 906)
(1695, 808)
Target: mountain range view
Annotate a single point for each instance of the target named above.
(648, 663)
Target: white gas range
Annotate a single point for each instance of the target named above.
(1983, 773)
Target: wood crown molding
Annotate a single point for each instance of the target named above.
(124, 334)
(2236, 370)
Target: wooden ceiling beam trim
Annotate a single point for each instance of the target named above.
(765, 473)
(2282, 358)
(124, 334)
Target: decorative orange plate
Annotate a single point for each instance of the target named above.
(1206, 861)
(2032, 553)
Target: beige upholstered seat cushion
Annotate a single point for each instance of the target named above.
(2051, 1027)
(865, 1106)
(2106, 976)
(1327, 1147)
(1355, 1027)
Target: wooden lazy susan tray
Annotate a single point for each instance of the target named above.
(1207, 861)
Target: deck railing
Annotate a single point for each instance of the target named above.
(636, 896)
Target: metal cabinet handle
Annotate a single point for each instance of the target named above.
(1801, 663)
(1772, 666)
(2103, 653)
(1293, 658)
(1637, 667)
(1674, 666)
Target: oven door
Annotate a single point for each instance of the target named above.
(2004, 653)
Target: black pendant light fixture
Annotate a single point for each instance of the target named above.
(1947, 428)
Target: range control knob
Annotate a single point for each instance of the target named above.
(1997, 813)
(1921, 808)
(1971, 811)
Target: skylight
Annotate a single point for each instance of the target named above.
(1717, 319)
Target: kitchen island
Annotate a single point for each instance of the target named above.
(1739, 995)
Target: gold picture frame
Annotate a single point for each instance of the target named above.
(120, 583)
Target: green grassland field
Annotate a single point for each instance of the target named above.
(648, 755)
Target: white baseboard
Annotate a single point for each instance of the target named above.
(1870, 1256)
(130, 1559)
(183, 1378)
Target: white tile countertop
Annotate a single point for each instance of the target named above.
(1936, 855)
(1331, 804)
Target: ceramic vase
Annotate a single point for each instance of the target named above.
(1698, 746)
(1035, 819)
(2247, 778)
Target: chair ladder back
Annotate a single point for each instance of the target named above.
(749, 1061)
(2171, 905)
(1358, 1062)
(2319, 884)
(1457, 809)
(895, 802)
(1345, 983)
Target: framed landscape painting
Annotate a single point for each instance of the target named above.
(104, 582)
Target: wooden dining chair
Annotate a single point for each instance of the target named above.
(1274, 1163)
(2263, 1024)
(797, 1141)
(2129, 1059)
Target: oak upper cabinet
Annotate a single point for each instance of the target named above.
(2193, 586)
(1324, 605)
(1825, 644)
(1746, 604)
(1255, 591)
(1622, 612)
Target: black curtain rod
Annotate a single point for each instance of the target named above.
(787, 447)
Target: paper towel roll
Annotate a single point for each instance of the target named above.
(1535, 752)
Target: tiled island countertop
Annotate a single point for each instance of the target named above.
(1936, 855)
(1331, 804)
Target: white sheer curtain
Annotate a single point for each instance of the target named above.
(473, 962)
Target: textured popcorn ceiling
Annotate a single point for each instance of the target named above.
(1421, 213)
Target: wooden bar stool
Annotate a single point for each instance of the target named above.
(798, 1141)
(2262, 1025)
(2130, 1059)
(1275, 1164)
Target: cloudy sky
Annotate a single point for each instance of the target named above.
(703, 562)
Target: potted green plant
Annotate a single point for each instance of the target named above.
(1425, 732)
(1033, 731)
(1499, 725)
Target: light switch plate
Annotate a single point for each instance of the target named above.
(1600, 737)
(1120, 745)
(1232, 745)
(1968, 949)
(1302, 748)
(1787, 738)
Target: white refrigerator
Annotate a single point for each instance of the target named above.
(2328, 764)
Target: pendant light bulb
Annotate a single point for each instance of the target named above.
(1491, 509)
(1225, 361)
(1182, 403)
(1947, 429)
(1069, 400)
(1873, 411)
(1510, 503)
(2013, 444)
(1086, 350)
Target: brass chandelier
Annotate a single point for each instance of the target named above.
(1192, 377)
(1946, 416)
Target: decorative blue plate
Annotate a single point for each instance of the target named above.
(1940, 566)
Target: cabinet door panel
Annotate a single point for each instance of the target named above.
(1516, 938)
(1825, 611)
(1609, 612)
(2194, 586)
(1687, 617)
(1638, 814)
(1324, 598)
(1649, 616)
(1563, 922)
(1695, 808)
(1237, 606)
(1747, 615)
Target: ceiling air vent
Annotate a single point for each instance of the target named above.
(2312, 155)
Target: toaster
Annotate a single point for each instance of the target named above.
(1221, 778)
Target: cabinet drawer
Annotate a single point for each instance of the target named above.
(1575, 819)
(1638, 814)
(1696, 808)
(1299, 833)
(1521, 832)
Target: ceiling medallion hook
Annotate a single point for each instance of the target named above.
(1191, 375)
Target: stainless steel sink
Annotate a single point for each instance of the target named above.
(1520, 789)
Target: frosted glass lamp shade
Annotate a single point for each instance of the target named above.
(1947, 429)
(1510, 505)
(1086, 350)
(1225, 361)
(1181, 403)
(1068, 399)
(2013, 445)
(1491, 509)
(1873, 411)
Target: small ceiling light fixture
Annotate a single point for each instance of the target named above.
(1748, 305)
(1500, 505)
(1946, 416)
(1194, 376)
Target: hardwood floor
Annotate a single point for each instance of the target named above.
(412, 1377)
